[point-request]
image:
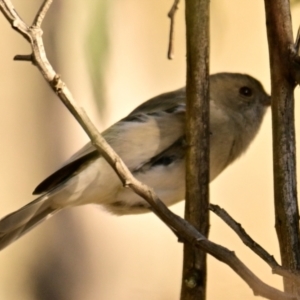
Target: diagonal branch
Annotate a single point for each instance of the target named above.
(182, 228)
(14, 19)
(38, 20)
(255, 247)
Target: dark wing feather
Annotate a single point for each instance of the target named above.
(172, 103)
(175, 152)
(65, 173)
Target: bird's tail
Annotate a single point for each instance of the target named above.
(16, 224)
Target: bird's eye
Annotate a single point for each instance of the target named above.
(246, 91)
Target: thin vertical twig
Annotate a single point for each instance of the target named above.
(197, 134)
(171, 15)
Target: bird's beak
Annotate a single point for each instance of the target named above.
(266, 101)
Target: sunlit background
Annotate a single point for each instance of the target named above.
(112, 55)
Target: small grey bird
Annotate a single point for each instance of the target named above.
(150, 140)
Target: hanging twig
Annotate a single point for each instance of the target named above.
(171, 15)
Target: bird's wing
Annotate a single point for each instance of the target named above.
(145, 133)
(65, 172)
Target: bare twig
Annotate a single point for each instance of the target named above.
(14, 19)
(23, 57)
(182, 228)
(283, 81)
(255, 247)
(171, 15)
(38, 20)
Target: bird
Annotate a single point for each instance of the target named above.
(151, 142)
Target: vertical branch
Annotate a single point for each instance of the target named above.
(197, 135)
(280, 39)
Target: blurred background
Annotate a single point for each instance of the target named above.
(112, 55)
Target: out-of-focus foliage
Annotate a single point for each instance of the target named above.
(294, 2)
(97, 47)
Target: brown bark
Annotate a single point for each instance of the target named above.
(280, 39)
(197, 135)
